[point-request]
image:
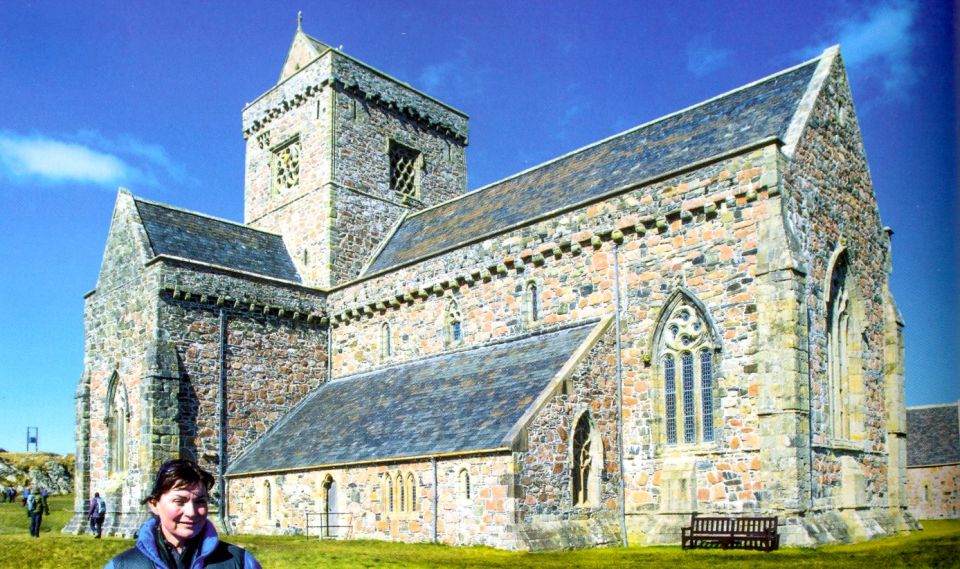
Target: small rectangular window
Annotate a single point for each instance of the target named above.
(405, 165)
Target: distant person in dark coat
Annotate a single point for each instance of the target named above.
(36, 506)
(97, 513)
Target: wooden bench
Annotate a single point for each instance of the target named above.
(731, 533)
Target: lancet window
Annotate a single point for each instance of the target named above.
(116, 418)
(453, 324)
(586, 462)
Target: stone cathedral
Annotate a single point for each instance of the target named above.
(692, 316)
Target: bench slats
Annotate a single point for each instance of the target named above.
(727, 532)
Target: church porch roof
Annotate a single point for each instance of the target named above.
(459, 402)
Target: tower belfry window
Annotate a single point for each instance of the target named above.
(285, 165)
(405, 165)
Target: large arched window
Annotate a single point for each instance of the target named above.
(686, 346)
(586, 462)
(453, 324)
(844, 393)
(117, 417)
(401, 494)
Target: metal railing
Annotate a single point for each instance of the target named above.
(328, 525)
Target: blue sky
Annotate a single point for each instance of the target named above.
(147, 95)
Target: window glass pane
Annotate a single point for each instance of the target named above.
(706, 395)
(670, 398)
(689, 423)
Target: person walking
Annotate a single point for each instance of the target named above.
(97, 513)
(179, 534)
(36, 507)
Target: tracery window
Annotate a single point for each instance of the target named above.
(405, 165)
(285, 165)
(686, 342)
(586, 463)
(453, 324)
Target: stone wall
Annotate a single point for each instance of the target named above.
(485, 518)
(272, 358)
(342, 116)
(120, 331)
(832, 209)
(933, 492)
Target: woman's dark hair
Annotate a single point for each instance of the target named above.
(178, 473)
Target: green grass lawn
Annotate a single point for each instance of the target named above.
(938, 545)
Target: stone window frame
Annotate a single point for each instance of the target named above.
(843, 313)
(412, 488)
(585, 487)
(117, 419)
(399, 495)
(704, 342)
(291, 143)
(463, 485)
(386, 342)
(266, 498)
(452, 324)
(404, 157)
(389, 506)
(532, 302)
(329, 483)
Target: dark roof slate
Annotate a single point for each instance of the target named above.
(933, 435)
(462, 401)
(200, 238)
(742, 117)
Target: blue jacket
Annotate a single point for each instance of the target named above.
(212, 552)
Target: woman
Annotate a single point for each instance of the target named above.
(179, 535)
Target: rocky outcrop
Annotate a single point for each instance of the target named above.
(36, 470)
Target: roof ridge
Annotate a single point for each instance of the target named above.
(933, 406)
(623, 133)
(203, 215)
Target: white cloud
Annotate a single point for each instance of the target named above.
(459, 75)
(704, 58)
(877, 44)
(86, 158)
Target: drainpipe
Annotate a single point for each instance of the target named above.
(222, 415)
(329, 353)
(810, 402)
(616, 320)
(436, 497)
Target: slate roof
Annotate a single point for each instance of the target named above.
(734, 120)
(200, 238)
(933, 435)
(462, 401)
